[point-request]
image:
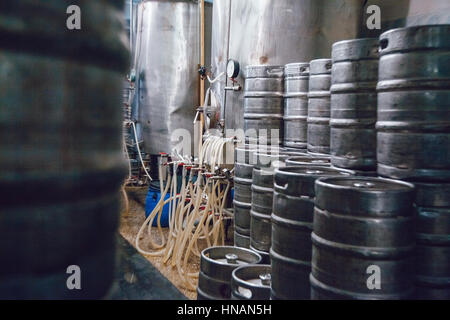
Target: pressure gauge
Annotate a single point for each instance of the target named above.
(232, 69)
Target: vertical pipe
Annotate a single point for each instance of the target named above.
(202, 63)
(131, 25)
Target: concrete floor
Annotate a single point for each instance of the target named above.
(138, 279)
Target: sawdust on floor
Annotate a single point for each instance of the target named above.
(131, 221)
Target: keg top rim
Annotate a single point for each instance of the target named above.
(320, 66)
(296, 64)
(432, 36)
(307, 158)
(366, 184)
(354, 41)
(412, 28)
(237, 277)
(230, 249)
(355, 49)
(296, 69)
(312, 170)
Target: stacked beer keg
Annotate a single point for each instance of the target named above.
(243, 170)
(263, 104)
(413, 140)
(354, 105)
(262, 199)
(363, 243)
(318, 120)
(371, 238)
(251, 282)
(296, 82)
(292, 220)
(216, 267)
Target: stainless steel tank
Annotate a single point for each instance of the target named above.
(167, 71)
(274, 32)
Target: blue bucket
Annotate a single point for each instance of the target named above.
(153, 197)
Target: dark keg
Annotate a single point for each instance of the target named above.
(292, 222)
(319, 106)
(263, 104)
(363, 239)
(262, 196)
(354, 104)
(243, 170)
(308, 160)
(296, 104)
(261, 210)
(216, 267)
(251, 282)
(241, 240)
(433, 241)
(61, 160)
(413, 127)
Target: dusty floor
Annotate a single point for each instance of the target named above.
(129, 227)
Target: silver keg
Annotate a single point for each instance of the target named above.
(363, 239)
(354, 78)
(292, 221)
(251, 282)
(243, 169)
(263, 104)
(216, 267)
(413, 128)
(433, 241)
(296, 104)
(319, 106)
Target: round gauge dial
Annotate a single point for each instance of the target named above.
(232, 69)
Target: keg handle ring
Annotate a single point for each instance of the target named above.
(286, 185)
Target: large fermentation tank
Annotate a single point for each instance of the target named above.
(274, 32)
(168, 54)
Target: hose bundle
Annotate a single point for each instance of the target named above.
(196, 214)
